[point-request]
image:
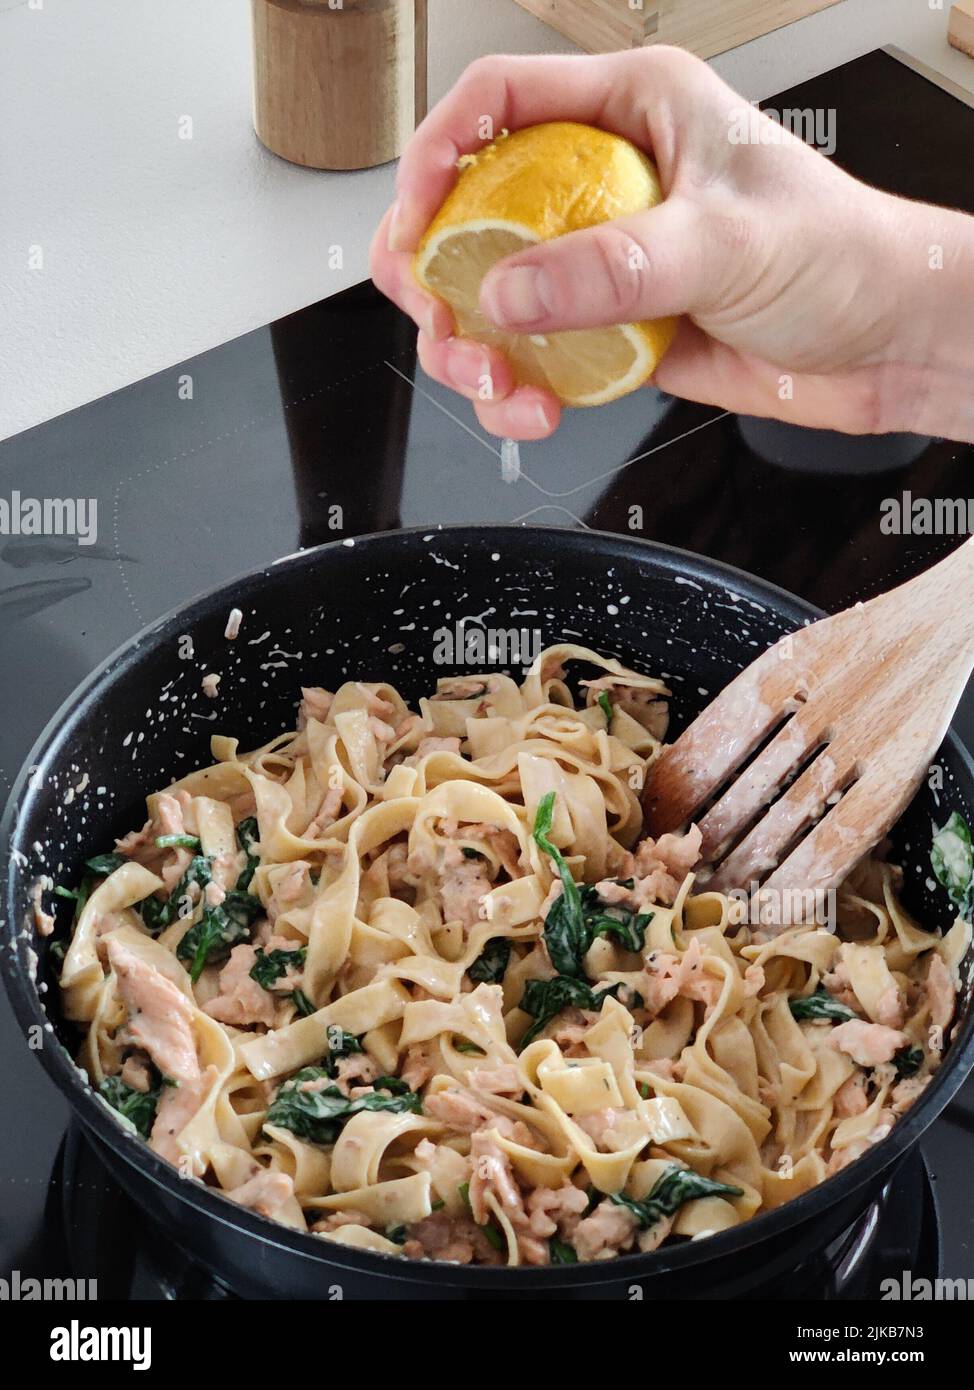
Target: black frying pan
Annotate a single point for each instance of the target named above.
(371, 610)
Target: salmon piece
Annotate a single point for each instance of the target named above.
(160, 1016)
(384, 733)
(462, 885)
(136, 840)
(906, 1092)
(291, 885)
(374, 703)
(891, 1008)
(465, 1113)
(653, 1237)
(177, 862)
(692, 980)
(436, 1159)
(667, 975)
(241, 1000)
(459, 1110)
(491, 1173)
(555, 1210)
(839, 985)
(660, 866)
(676, 853)
(851, 1098)
(328, 813)
(868, 1044)
(315, 704)
(135, 1073)
(645, 706)
(266, 1192)
(169, 812)
(455, 1239)
(498, 1081)
(177, 1106)
(607, 1231)
(417, 1068)
(611, 892)
(43, 921)
(358, 1067)
(941, 994)
(599, 1126)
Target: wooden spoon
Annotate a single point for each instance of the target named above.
(847, 714)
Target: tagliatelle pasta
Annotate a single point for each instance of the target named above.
(413, 982)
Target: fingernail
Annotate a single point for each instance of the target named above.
(399, 239)
(426, 313)
(527, 416)
(518, 297)
(467, 365)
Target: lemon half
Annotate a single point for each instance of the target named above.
(521, 189)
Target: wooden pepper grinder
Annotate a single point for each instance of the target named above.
(338, 84)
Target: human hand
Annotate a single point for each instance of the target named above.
(807, 295)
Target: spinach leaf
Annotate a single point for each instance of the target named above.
(319, 1116)
(606, 705)
(394, 1084)
(579, 916)
(247, 838)
(154, 913)
(178, 842)
(397, 1234)
(908, 1061)
(159, 913)
(491, 1233)
(545, 999)
(469, 1048)
(820, 1005)
(952, 858)
(220, 928)
(564, 929)
(491, 964)
(138, 1107)
(303, 1004)
(270, 966)
(340, 1044)
(613, 919)
(561, 1253)
(104, 864)
(669, 1192)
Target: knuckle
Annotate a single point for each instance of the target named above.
(732, 228)
(483, 70)
(622, 262)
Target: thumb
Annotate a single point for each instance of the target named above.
(659, 262)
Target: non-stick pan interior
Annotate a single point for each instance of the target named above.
(388, 607)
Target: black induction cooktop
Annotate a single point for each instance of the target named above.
(322, 426)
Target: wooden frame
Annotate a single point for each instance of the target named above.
(705, 27)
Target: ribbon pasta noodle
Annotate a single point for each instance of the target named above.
(414, 983)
